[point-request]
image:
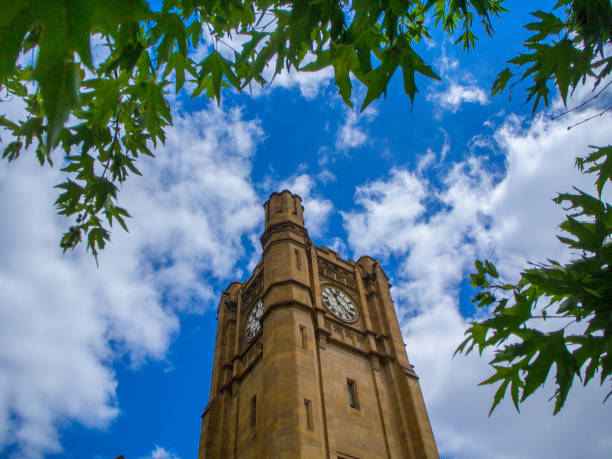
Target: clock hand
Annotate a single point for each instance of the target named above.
(338, 302)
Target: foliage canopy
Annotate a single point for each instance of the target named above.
(556, 315)
(103, 113)
(571, 47)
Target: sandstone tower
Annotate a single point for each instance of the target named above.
(309, 359)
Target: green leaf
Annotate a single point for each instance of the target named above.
(600, 162)
(549, 24)
(501, 81)
(214, 68)
(110, 13)
(378, 79)
(9, 10)
(171, 33)
(56, 72)
(499, 395)
(12, 150)
(60, 93)
(343, 59)
(128, 57)
(11, 37)
(491, 270)
(248, 50)
(324, 59)
(537, 371)
(411, 63)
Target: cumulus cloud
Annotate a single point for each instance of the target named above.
(456, 94)
(458, 87)
(458, 407)
(310, 84)
(316, 208)
(196, 200)
(385, 209)
(339, 246)
(160, 453)
(352, 133)
(63, 322)
(474, 213)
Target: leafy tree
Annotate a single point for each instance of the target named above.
(102, 113)
(571, 46)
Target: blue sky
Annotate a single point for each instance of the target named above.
(97, 362)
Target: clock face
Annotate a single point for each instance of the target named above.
(339, 303)
(253, 325)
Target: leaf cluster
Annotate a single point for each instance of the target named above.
(102, 114)
(568, 45)
(557, 317)
(105, 112)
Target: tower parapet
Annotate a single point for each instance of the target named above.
(284, 207)
(284, 219)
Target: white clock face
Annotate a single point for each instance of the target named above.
(339, 303)
(253, 324)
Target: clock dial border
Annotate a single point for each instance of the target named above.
(253, 321)
(350, 318)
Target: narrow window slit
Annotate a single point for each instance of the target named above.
(303, 336)
(308, 408)
(352, 393)
(298, 261)
(253, 411)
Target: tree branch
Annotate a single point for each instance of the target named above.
(603, 112)
(582, 104)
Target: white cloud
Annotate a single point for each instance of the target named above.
(458, 407)
(474, 214)
(431, 158)
(316, 208)
(310, 84)
(339, 246)
(160, 453)
(63, 322)
(459, 87)
(352, 133)
(456, 94)
(196, 200)
(326, 176)
(386, 208)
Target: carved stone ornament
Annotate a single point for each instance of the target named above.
(336, 273)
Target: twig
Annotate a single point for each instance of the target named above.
(228, 45)
(591, 117)
(582, 104)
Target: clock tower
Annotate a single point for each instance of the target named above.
(309, 359)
